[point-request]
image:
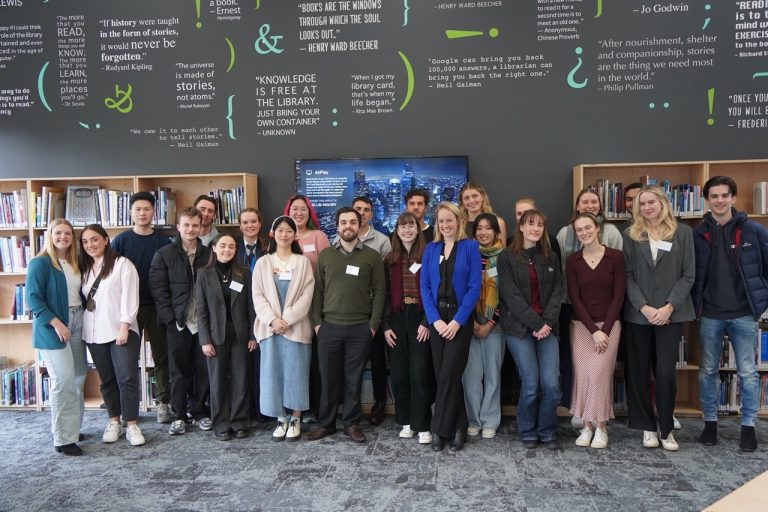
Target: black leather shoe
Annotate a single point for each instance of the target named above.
(748, 441)
(69, 449)
(552, 444)
(438, 443)
(457, 443)
(223, 436)
(530, 443)
(377, 413)
(242, 433)
(709, 434)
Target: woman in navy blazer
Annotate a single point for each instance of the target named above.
(450, 287)
(53, 294)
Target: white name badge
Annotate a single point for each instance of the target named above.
(284, 276)
(414, 268)
(309, 248)
(664, 245)
(353, 270)
(492, 272)
(234, 285)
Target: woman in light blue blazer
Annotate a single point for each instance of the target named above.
(53, 294)
(450, 286)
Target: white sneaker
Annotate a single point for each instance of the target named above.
(425, 437)
(407, 433)
(281, 430)
(177, 428)
(294, 429)
(584, 438)
(112, 431)
(204, 424)
(669, 443)
(134, 436)
(601, 438)
(489, 433)
(577, 423)
(650, 439)
(164, 413)
(472, 431)
(676, 424)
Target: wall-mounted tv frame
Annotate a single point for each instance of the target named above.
(333, 183)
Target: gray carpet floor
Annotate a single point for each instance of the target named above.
(195, 472)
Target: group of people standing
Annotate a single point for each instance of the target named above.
(282, 325)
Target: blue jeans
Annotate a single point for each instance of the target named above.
(481, 380)
(743, 334)
(538, 364)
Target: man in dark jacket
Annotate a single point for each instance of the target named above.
(172, 278)
(730, 294)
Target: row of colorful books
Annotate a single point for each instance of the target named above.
(728, 355)
(230, 203)
(15, 253)
(165, 206)
(13, 209)
(685, 199)
(18, 384)
(730, 394)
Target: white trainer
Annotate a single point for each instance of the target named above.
(112, 431)
(472, 431)
(488, 433)
(425, 437)
(134, 436)
(650, 439)
(584, 438)
(669, 443)
(676, 424)
(407, 433)
(601, 438)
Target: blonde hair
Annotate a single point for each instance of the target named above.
(49, 250)
(461, 234)
(484, 208)
(667, 223)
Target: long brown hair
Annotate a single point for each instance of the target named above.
(261, 239)
(398, 249)
(587, 190)
(517, 246)
(110, 255)
(238, 270)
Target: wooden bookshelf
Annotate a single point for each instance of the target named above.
(744, 172)
(15, 335)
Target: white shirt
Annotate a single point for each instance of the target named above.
(73, 284)
(117, 301)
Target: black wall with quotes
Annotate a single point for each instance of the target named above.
(525, 89)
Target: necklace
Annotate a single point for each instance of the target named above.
(225, 276)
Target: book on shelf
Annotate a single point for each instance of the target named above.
(763, 392)
(761, 357)
(82, 204)
(19, 307)
(730, 394)
(13, 209)
(15, 253)
(760, 198)
(48, 205)
(682, 353)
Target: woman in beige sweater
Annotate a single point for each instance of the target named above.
(283, 284)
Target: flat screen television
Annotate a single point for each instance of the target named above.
(331, 184)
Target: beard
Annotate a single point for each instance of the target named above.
(348, 235)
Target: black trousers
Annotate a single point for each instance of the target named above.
(413, 377)
(647, 344)
(118, 368)
(449, 358)
(230, 377)
(378, 359)
(341, 354)
(188, 371)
